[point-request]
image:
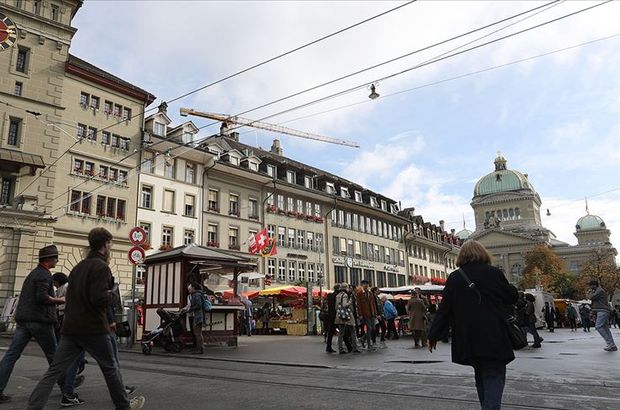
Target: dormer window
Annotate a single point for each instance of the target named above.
(271, 170)
(383, 205)
(159, 129)
(373, 202)
(394, 208)
(344, 192)
(253, 166)
(308, 181)
(291, 177)
(358, 196)
(187, 137)
(330, 188)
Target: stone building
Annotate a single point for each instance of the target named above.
(508, 222)
(77, 120)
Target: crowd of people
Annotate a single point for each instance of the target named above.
(75, 319)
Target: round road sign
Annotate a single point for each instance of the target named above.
(137, 235)
(136, 255)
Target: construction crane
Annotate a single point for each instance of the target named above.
(227, 120)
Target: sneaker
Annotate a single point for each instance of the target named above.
(612, 348)
(330, 350)
(70, 400)
(136, 403)
(4, 398)
(130, 389)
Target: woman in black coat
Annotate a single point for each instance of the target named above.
(477, 319)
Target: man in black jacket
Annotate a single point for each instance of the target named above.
(35, 316)
(86, 325)
(331, 317)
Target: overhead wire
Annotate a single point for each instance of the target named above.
(264, 62)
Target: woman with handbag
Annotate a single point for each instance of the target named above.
(345, 319)
(476, 302)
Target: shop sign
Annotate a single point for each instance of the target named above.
(296, 256)
(391, 268)
(350, 262)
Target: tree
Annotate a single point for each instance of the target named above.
(544, 267)
(600, 266)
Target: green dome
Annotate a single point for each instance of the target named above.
(463, 234)
(502, 180)
(590, 222)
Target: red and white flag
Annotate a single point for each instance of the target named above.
(258, 242)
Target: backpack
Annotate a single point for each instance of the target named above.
(206, 304)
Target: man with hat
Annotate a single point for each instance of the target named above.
(35, 316)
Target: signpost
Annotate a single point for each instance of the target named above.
(136, 255)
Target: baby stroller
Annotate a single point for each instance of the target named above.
(167, 334)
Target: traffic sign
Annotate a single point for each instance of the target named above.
(136, 255)
(137, 236)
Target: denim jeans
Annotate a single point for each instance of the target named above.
(371, 333)
(43, 334)
(69, 387)
(490, 379)
(602, 326)
(99, 348)
(532, 329)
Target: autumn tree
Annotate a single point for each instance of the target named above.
(544, 267)
(600, 266)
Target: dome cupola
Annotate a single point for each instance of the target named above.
(502, 180)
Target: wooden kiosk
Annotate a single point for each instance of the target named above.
(166, 278)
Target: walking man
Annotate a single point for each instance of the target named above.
(330, 326)
(35, 316)
(549, 315)
(86, 325)
(530, 320)
(390, 316)
(600, 305)
(367, 311)
(198, 315)
(584, 313)
(571, 314)
(417, 319)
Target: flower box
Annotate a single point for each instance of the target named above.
(234, 247)
(213, 244)
(271, 208)
(165, 247)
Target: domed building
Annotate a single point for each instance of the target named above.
(507, 212)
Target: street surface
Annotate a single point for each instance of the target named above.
(570, 371)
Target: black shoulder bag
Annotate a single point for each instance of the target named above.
(518, 339)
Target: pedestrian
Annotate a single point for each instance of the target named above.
(197, 313)
(549, 315)
(330, 319)
(530, 320)
(584, 312)
(35, 316)
(246, 316)
(265, 313)
(112, 309)
(345, 319)
(390, 316)
(600, 305)
(477, 315)
(417, 319)
(86, 325)
(571, 315)
(380, 327)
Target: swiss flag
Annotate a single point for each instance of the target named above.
(258, 242)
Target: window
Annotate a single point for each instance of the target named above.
(291, 271)
(103, 172)
(310, 241)
(358, 249)
(91, 134)
(270, 199)
(319, 242)
(80, 202)
(89, 168)
(168, 201)
(15, 125)
(343, 246)
(252, 208)
(55, 12)
(94, 102)
(311, 272)
(19, 86)
(280, 201)
(120, 209)
(169, 167)
(107, 107)
(212, 203)
(362, 227)
(159, 129)
(36, 7)
(100, 205)
(380, 279)
(253, 166)
(300, 206)
(301, 270)
(336, 245)
(350, 247)
(317, 210)
(233, 205)
(126, 113)
(21, 64)
(125, 142)
(122, 177)
(118, 109)
(344, 192)
(271, 170)
(18, 4)
(78, 166)
(110, 208)
(188, 237)
(281, 270)
(167, 233)
(358, 196)
(81, 131)
(356, 274)
(301, 239)
(291, 238)
(190, 171)
(105, 138)
(147, 228)
(290, 204)
(308, 181)
(212, 237)
(330, 188)
(383, 205)
(233, 159)
(271, 229)
(190, 205)
(290, 177)
(309, 208)
(341, 218)
(356, 222)
(115, 141)
(113, 174)
(340, 272)
(348, 220)
(84, 99)
(373, 202)
(233, 238)
(281, 235)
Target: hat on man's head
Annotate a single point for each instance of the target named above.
(48, 252)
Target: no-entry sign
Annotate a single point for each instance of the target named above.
(137, 236)
(136, 255)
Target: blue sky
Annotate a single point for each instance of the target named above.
(555, 118)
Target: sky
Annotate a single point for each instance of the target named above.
(554, 117)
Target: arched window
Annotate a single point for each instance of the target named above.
(517, 213)
(511, 213)
(505, 214)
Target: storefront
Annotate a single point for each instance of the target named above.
(353, 271)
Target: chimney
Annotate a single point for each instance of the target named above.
(163, 107)
(442, 223)
(276, 147)
(234, 136)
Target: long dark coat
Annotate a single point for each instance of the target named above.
(479, 333)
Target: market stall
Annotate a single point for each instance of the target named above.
(166, 279)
